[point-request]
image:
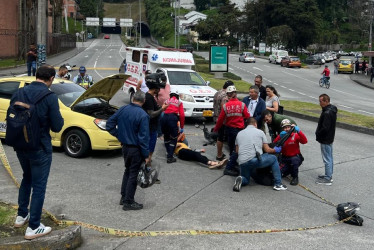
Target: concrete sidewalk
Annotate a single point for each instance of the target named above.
(54, 60)
(363, 80)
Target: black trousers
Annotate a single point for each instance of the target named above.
(190, 155)
(133, 160)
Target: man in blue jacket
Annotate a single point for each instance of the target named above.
(36, 164)
(130, 124)
(255, 104)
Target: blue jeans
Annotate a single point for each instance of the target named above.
(31, 65)
(35, 166)
(266, 161)
(326, 150)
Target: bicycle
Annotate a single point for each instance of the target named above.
(324, 81)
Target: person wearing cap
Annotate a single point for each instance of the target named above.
(219, 99)
(153, 110)
(274, 120)
(83, 79)
(291, 156)
(255, 104)
(142, 85)
(169, 124)
(234, 112)
(326, 73)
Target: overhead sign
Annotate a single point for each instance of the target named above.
(92, 21)
(109, 22)
(218, 58)
(123, 22)
(261, 48)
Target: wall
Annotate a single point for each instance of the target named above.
(9, 23)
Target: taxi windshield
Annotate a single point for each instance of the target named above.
(185, 78)
(69, 92)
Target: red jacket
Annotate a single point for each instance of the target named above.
(291, 147)
(175, 107)
(234, 111)
(326, 71)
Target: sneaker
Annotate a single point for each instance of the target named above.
(324, 177)
(230, 172)
(280, 187)
(294, 181)
(20, 221)
(171, 160)
(220, 158)
(237, 184)
(132, 206)
(324, 181)
(38, 232)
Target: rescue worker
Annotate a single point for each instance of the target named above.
(82, 79)
(234, 112)
(169, 124)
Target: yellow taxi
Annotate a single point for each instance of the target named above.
(85, 112)
(345, 65)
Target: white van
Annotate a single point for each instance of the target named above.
(277, 55)
(194, 92)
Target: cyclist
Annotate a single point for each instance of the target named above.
(82, 79)
(326, 74)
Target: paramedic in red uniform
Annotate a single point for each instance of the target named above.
(235, 113)
(169, 124)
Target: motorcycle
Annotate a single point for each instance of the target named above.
(211, 137)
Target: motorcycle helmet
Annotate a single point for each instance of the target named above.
(174, 93)
(231, 89)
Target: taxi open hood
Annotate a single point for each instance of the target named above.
(104, 89)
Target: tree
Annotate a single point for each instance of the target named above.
(202, 4)
(280, 35)
(89, 8)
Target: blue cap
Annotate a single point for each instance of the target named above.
(82, 69)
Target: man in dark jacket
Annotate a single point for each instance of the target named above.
(36, 164)
(262, 89)
(255, 104)
(325, 134)
(130, 124)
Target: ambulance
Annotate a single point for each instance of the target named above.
(194, 92)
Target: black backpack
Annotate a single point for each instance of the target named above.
(23, 129)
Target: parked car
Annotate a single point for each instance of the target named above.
(247, 57)
(345, 65)
(106, 37)
(187, 47)
(85, 112)
(290, 61)
(277, 55)
(315, 60)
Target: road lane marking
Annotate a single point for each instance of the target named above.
(363, 111)
(257, 68)
(345, 106)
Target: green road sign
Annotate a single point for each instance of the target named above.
(218, 58)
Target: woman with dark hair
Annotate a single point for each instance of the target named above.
(272, 99)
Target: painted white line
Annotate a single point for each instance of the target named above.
(283, 86)
(291, 90)
(231, 69)
(363, 111)
(301, 93)
(257, 68)
(345, 106)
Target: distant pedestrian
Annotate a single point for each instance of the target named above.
(357, 66)
(336, 66)
(32, 54)
(325, 134)
(36, 164)
(130, 124)
(364, 65)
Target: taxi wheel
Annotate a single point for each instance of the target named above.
(132, 96)
(76, 143)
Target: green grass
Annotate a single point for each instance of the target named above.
(10, 62)
(217, 83)
(315, 111)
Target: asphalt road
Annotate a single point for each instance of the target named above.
(302, 84)
(191, 196)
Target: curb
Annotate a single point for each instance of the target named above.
(342, 125)
(68, 238)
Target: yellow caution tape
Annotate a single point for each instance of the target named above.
(125, 233)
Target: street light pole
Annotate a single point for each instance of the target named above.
(140, 23)
(175, 24)
(41, 37)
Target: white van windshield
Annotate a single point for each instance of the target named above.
(185, 78)
(282, 53)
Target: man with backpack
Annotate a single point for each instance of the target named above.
(33, 145)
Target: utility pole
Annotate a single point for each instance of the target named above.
(175, 24)
(41, 32)
(140, 23)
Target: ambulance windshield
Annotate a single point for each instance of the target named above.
(185, 78)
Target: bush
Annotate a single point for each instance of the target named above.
(231, 76)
